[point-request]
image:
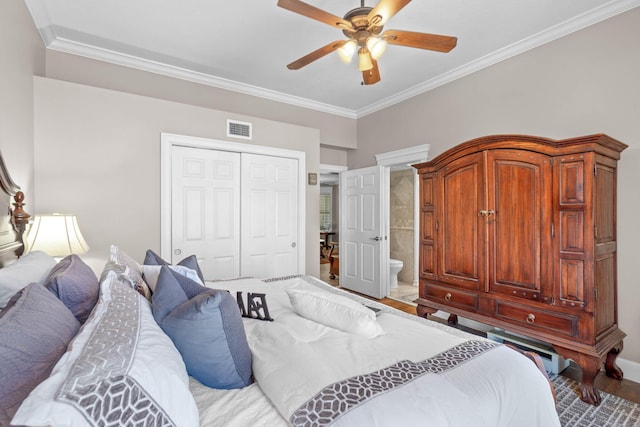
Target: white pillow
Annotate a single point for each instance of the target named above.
(150, 274)
(335, 311)
(33, 267)
(120, 368)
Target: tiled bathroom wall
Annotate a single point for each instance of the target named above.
(401, 224)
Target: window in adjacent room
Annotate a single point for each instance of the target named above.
(326, 196)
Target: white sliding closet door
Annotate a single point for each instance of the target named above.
(237, 212)
(269, 234)
(205, 210)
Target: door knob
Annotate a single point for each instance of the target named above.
(377, 238)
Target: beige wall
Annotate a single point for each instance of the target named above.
(334, 130)
(98, 156)
(333, 156)
(587, 82)
(21, 57)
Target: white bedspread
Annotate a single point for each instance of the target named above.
(294, 359)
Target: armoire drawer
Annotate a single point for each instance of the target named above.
(452, 297)
(556, 323)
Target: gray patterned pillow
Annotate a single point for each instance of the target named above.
(133, 271)
(35, 329)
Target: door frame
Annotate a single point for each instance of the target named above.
(404, 157)
(334, 169)
(168, 140)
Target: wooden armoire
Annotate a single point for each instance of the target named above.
(519, 232)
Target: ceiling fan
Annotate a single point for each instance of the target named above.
(363, 28)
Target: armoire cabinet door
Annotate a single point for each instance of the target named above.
(462, 249)
(428, 230)
(519, 221)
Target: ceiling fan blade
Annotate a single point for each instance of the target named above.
(316, 54)
(314, 13)
(420, 40)
(385, 9)
(371, 76)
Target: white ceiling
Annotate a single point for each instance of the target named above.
(245, 45)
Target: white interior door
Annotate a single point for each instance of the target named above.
(205, 210)
(361, 232)
(269, 216)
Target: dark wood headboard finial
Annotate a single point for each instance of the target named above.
(20, 219)
(19, 215)
(13, 219)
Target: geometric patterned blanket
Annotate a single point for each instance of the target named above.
(337, 399)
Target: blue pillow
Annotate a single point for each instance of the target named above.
(35, 330)
(152, 258)
(76, 285)
(207, 330)
(167, 296)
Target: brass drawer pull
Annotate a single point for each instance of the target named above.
(531, 318)
(447, 297)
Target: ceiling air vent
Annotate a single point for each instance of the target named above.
(236, 129)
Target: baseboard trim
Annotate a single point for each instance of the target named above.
(630, 368)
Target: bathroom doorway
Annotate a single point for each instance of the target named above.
(403, 285)
(402, 220)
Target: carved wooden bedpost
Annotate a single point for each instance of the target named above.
(20, 219)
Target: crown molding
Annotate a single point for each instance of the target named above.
(55, 42)
(70, 46)
(577, 23)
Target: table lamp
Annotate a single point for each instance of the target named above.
(57, 235)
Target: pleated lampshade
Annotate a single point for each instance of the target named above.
(56, 234)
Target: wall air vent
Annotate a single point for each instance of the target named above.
(236, 129)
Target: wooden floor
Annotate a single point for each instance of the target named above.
(626, 389)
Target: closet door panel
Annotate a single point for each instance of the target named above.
(206, 209)
(269, 236)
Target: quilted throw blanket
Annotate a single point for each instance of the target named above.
(416, 371)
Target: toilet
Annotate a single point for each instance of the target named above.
(395, 265)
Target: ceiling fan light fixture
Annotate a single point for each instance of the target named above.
(376, 46)
(346, 51)
(364, 59)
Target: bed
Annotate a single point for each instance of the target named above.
(154, 344)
